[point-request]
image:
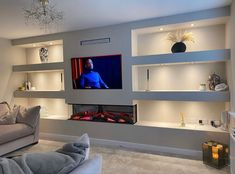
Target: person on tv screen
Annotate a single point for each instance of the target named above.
(90, 78)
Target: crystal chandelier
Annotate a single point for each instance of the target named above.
(43, 14)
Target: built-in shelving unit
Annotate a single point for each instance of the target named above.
(46, 78)
(47, 67)
(40, 94)
(165, 84)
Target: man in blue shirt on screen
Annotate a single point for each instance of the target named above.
(90, 78)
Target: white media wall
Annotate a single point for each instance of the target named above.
(172, 78)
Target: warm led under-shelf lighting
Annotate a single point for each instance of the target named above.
(161, 29)
(51, 43)
(192, 25)
(34, 45)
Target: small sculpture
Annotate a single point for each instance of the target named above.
(178, 38)
(214, 80)
(182, 123)
(221, 87)
(43, 53)
(27, 85)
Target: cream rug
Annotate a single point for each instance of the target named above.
(123, 161)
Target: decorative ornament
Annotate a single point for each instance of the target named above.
(43, 53)
(213, 80)
(43, 14)
(221, 87)
(178, 38)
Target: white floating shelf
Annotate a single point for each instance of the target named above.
(186, 57)
(196, 127)
(39, 94)
(222, 96)
(57, 66)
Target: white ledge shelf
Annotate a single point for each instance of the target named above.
(186, 57)
(57, 66)
(196, 127)
(220, 96)
(54, 117)
(40, 94)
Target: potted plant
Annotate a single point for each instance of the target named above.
(178, 38)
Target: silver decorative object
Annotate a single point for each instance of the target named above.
(43, 53)
(213, 80)
(43, 13)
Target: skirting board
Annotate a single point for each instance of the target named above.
(135, 146)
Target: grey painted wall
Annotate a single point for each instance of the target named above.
(177, 138)
(9, 82)
(120, 44)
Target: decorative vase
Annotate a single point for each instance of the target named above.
(178, 47)
(43, 53)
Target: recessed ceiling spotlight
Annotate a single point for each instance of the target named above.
(192, 25)
(51, 43)
(161, 29)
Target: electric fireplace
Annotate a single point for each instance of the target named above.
(124, 114)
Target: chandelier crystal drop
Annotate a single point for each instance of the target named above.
(43, 13)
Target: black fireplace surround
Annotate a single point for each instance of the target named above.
(125, 114)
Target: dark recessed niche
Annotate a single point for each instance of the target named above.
(125, 114)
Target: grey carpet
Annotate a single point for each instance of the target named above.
(123, 161)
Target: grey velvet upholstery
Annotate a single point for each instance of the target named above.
(90, 166)
(13, 132)
(86, 140)
(16, 136)
(28, 115)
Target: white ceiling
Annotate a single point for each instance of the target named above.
(82, 14)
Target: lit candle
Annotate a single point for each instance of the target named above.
(215, 155)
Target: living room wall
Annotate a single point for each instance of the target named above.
(9, 56)
(120, 36)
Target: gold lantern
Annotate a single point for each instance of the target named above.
(215, 154)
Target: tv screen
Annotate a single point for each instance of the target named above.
(100, 72)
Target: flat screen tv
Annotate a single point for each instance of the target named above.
(99, 72)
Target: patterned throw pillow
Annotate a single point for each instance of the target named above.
(4, 109)
(9, 118)
(28, 116)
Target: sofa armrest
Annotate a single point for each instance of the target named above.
(28, 116)
(90, 166)
(36, 130)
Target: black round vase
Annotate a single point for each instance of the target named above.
(178, 47)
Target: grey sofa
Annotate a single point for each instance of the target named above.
(92, 165)
(20, 134)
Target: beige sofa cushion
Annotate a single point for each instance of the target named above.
(13, 132)
(4, 108)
